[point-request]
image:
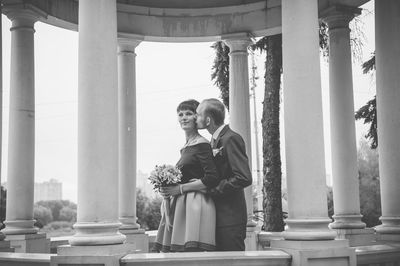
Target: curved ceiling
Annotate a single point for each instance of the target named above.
(178, 20)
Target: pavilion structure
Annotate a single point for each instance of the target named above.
(109, 32)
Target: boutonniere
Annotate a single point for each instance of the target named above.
(217, 151)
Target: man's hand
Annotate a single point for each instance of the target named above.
(170, 191)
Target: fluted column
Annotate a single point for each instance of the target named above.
(127, 133)
(97, 221)
(302, 100)
(239, 102)
(387, 34)
(346, 195)
(21, 147)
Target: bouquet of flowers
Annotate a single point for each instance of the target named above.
(163, 176)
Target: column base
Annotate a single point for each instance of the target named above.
(92, 234)
(357, 237)
(347, 222)
(329, 252)
(129, 223)
(19, 227)
(30, 243)
(137, 237)
(106, 255)
(251, 241)
(390, 225)
(308, 229)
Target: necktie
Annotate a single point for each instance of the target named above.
(212, 142)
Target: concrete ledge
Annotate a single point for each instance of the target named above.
(378, 255)
(24, 259)
(246, 258)
(152, 238)
(55, 242)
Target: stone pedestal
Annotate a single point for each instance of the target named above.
(5, 246)
(265, 238)
(107, 255)
(251, 241)
(138, 238)
(357, 237)
(329, 252)
(30, 243)
(387, 237)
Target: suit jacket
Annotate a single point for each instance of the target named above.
(234, 171)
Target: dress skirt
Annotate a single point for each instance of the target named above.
(193, 218)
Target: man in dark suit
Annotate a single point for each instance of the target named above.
(233, 167)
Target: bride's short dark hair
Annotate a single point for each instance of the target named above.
(190, 104)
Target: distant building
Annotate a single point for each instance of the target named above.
(48, 190)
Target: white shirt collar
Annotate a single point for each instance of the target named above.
(218, 131)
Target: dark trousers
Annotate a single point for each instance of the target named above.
(230, 238)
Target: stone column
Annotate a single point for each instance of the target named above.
(3, 243)
(239, 114)
(239, 101)
(97, 217)
(304, 143)
(127, 144)
(343, 134)
(20, 229)
(306, 181)
(387, 34)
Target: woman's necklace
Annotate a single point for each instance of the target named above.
(191, 140)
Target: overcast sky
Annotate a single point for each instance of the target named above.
(167, 73)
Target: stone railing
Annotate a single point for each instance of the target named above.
(245, 258)
(382, 255)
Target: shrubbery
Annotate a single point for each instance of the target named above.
(148, 210)
(48, 211)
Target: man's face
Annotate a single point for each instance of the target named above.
(201, 120)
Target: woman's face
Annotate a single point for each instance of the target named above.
(187, 119)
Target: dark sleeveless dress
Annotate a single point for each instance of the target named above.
(194, 212)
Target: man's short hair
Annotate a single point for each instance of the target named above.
(216, 110)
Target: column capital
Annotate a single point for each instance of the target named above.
(128, 42)
(23, 15)
(237, 42)
(339, 16)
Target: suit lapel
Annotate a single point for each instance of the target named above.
(223, 131)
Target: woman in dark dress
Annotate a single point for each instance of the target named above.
(193, 222)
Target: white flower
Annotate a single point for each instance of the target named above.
(217, 151)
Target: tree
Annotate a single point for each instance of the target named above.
(42, 215)
(368, 168)
(68, 214)
(220, 70)
(55, 206)
(153, 216)
(368, 111)
(272, 185)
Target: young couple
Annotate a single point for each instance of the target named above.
(208, 208)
